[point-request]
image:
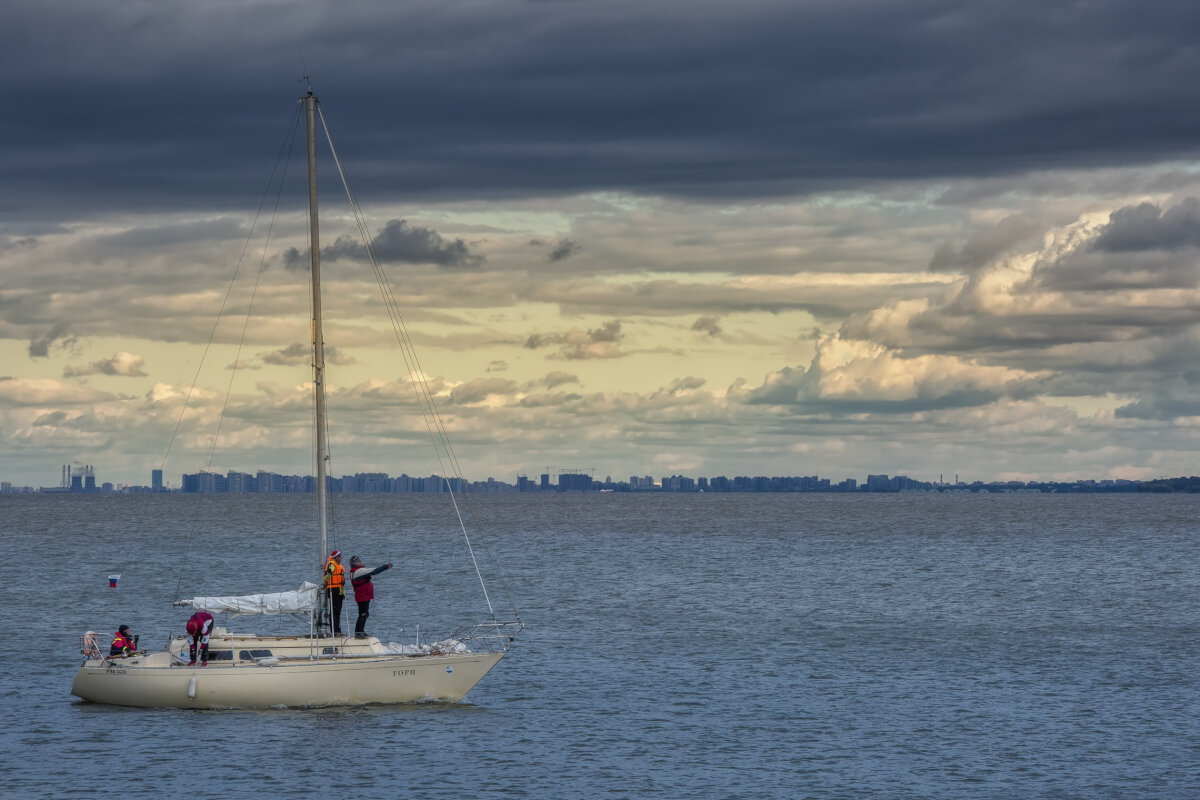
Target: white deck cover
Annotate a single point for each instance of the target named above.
(300, 600)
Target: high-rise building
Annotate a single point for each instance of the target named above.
(574, 481)
(156, 480)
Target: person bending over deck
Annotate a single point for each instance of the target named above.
(199, 627)
(364, 592)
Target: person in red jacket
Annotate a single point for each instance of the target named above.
(124, 643)
(364, 591)
(199, 627)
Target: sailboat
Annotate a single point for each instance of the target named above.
(314, 668)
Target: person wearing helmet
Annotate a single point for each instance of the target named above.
(199, 626)
(364, 592)
(335, 588)
(124, 643)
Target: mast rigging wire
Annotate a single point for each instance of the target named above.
(438, 434)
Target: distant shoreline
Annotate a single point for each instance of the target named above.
(438, 485)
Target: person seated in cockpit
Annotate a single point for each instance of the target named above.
(124, 643)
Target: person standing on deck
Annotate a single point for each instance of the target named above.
(335, 588)
(364, 591)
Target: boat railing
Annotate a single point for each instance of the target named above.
(491, 636)
(93, 646)
(484, 636)
(96, 646)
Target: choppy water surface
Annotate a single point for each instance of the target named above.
(690, 646)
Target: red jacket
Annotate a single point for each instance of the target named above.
(364, 589)
(122, 645)
(205, 621)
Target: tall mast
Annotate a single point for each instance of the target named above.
(318, 340)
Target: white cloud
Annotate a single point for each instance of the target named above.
(668, 331)
(124, 364)
(48, 391)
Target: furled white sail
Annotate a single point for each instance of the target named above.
(301, 600)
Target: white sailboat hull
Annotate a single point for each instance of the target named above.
(153, 681)
(271, 671)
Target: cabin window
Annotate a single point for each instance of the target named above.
(251, 655)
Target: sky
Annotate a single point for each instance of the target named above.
(764, 237)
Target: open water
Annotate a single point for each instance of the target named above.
(686, 646)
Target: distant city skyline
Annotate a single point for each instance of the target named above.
(82, 480)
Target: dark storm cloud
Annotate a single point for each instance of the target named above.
(1029, 338)
(608, 332)
(595, 343)
(398, 242)
(1141, 247)
(167, 106)
(558, 378)
(982, 248)
(1103, 272)
(294, 259)
(801, 388)
(708, 324)
(290, 356)
(1148, 227)
(563, 250)
(1168, 399)
(39, 346)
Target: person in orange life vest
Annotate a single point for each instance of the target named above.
(199, 627)
(335, 587)
(364, 591)
(124, 643)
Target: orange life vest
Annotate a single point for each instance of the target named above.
(335, 576)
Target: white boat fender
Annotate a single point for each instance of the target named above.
(192, 687)
(268, 661)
